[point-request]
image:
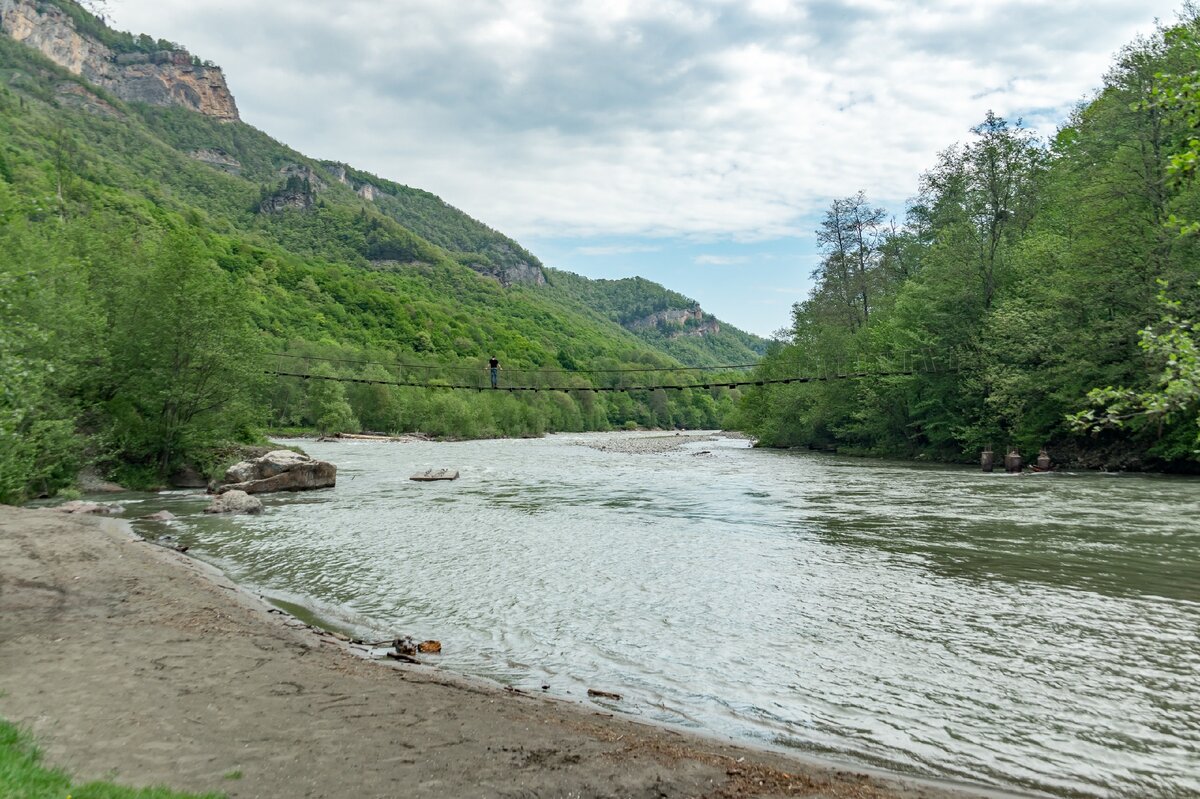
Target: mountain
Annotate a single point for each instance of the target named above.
(161, 254)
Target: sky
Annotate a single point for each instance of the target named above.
(693, 143)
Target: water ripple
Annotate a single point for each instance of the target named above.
(1034, 632)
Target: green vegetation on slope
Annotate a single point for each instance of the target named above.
(631, 300)
(144, 288)
(23, 776)
(1033, 265)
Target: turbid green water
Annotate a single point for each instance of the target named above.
(1032, 632)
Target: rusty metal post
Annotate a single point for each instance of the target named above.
(1043, 461)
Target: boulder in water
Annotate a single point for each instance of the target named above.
(235, 502)
(281, 470)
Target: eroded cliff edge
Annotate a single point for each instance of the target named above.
(162, 77)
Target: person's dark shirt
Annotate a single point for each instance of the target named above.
(493, 363)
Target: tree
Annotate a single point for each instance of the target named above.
(185, 359)
(328, 408)
(39, 449)
(988, 189)
(1172, 343)
(850, 237)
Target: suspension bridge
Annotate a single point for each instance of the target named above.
(672, 378)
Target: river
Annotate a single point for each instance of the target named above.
(1033, 632)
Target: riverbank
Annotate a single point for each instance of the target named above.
(136, 663)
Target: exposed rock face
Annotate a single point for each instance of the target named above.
(218, 158)
(167, 78)
(299, 190)
(670, 316)
(284, 199)
(710, 328)
(74, 95)
(520, 272)
(688, 321)
(339, 173)
(523, 272)
(301, 172)
(367, 192)
(235, 502)
(281, 470)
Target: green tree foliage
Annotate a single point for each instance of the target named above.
(184, 361)
(1025, 274)
(39, 450)
(1171, 343)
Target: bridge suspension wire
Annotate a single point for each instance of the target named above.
(820, 378)
(441, 368)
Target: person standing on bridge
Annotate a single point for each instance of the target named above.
(494, 369)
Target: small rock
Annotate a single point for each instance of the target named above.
(161, 516)
(235, 502)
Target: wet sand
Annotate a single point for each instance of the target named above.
(132, 662)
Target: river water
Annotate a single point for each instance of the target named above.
(1036, 632)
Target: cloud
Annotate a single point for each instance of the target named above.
(615, 249)
(721, 260)
(711, 118)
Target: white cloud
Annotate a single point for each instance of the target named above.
(712, 118)
(615, 249)
(721, 260)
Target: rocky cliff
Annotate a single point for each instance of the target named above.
(167, 77)
(678, 322)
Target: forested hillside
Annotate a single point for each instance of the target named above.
(155, 262)
(667, 319)
(1053, 282)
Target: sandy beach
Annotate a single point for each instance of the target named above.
(132, 662)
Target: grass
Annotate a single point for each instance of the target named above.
(23, 776)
